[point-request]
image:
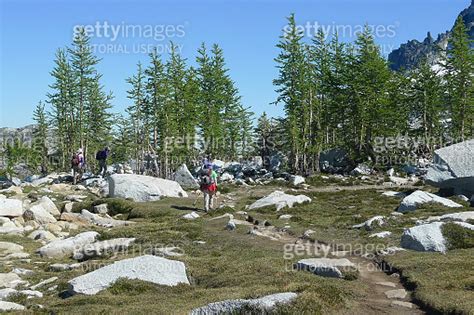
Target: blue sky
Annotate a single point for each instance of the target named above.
(32, 30)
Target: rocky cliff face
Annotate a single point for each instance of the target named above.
(10, 135)
(410, 54)
(25, 137)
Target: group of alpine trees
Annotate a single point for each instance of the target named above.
(79, 109)
(344, 95)
(180, 113)
(177, 113)
(334, 94)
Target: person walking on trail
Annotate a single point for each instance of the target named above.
(77, 164)
(208, 187)
(101, 157)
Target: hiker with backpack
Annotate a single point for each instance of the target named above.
(208, 180)
(77, 164)
(101, 157)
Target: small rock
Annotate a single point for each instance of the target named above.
(396, 294)
(231, 225)
(101, 209)
(383, 234)
(325, 267)
(10, 306)
(191, 216)
(296, 180)
(43, 283)
(369, 224)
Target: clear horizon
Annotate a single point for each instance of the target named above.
(123, 32)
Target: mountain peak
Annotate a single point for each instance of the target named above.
(411, 53)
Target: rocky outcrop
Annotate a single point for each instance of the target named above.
(184, 177)
(334, 161)
(453, 167)
(143, 188)
(409, 55)
(148, 268)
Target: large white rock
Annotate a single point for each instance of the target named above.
(369, 224)
(419, 197)
(149, 268)
(102, 248)
(66, 247)
(10, 248)
(39, 214)
(453, 167)
(143, 188)
(10, 306)
(263, 305)
(184, 177)
(10, 280)
(49, 206)
(325, 267)
(280, 200)
(10, 207)
(425, 238)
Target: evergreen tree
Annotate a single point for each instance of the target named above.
(427, 100)
(292, 66)
(64, 114)
(137, 113)
(83, 64)
(264, 133)
(40, 137)
(368, 94)
(459, 65)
